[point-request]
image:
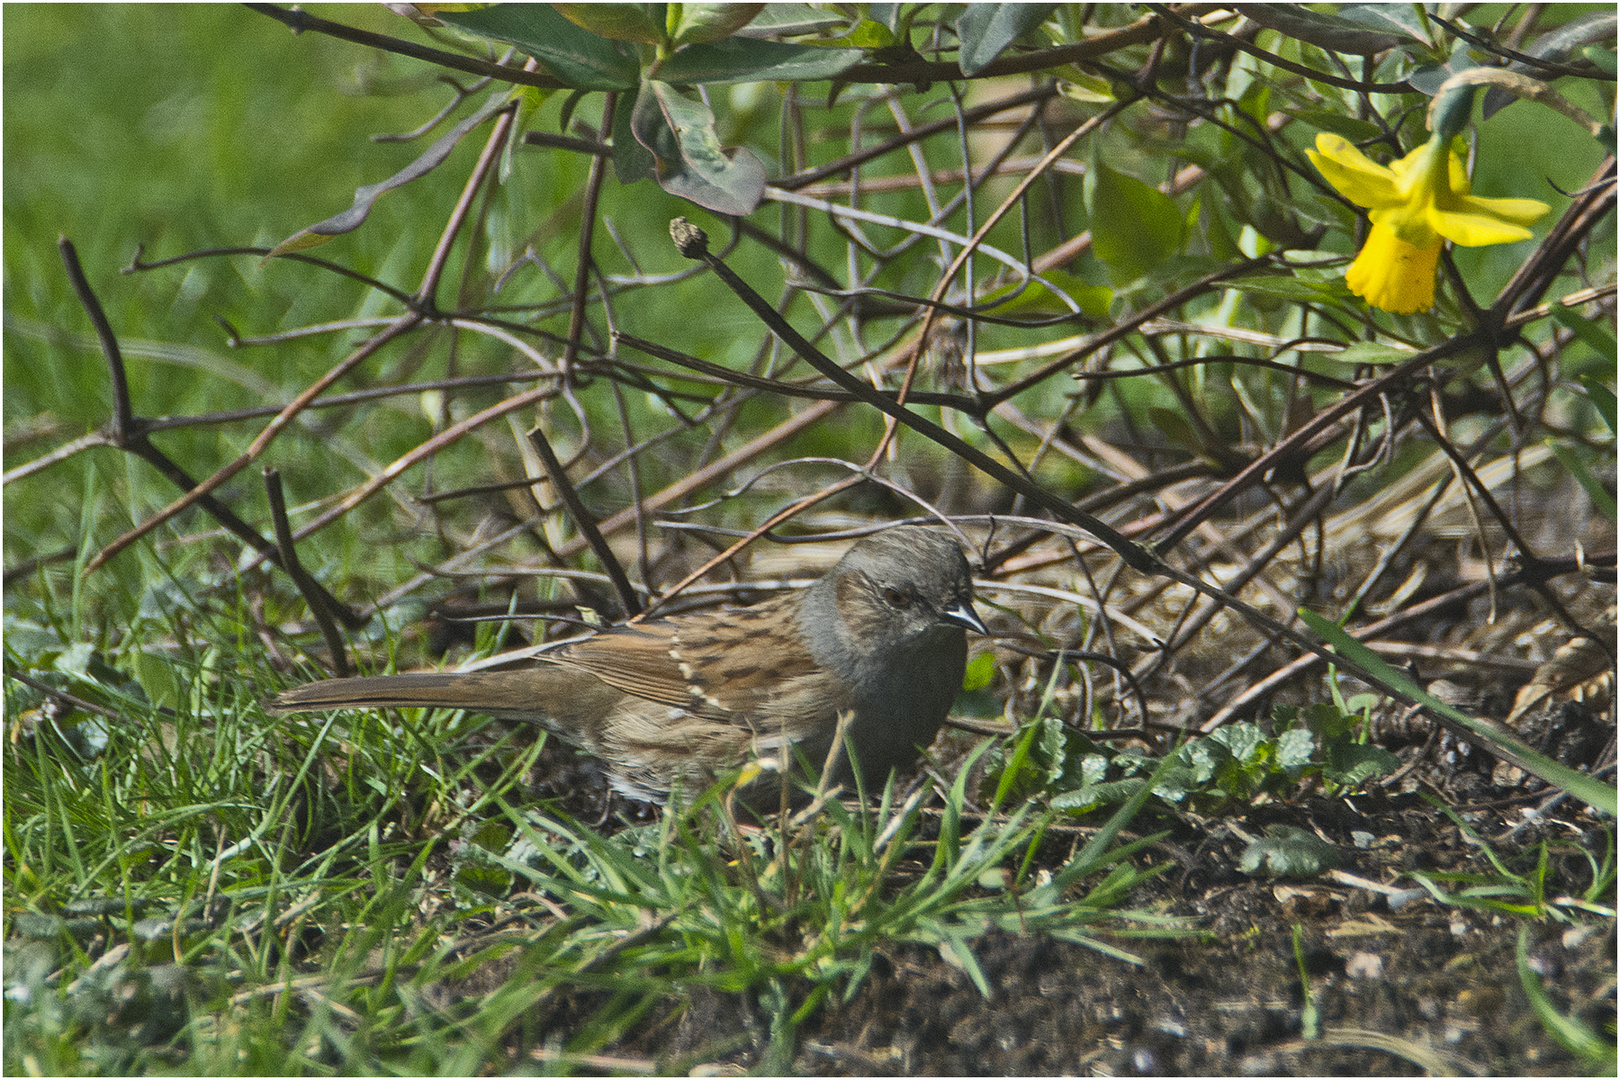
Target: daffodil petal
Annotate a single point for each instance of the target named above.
(1518, 211)
(1403, 167)
(1353, 174)
(1338, 149)
(1393, 275)
(1475, 229)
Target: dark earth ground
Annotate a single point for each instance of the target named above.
(1423, 988)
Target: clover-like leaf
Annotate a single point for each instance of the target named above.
(1288, 851)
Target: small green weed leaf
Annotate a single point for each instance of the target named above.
(1595, 1052)
(1244, 740)
(980, 671)
(744, 59)
(1353, 764)
(1294, 749)
(1588, 789)
(986, 30)
(1025, 769)
(1134, 226)
(1326, 720)
(575, 55)
(1362, 703)
(157, 678)
(1288, 851)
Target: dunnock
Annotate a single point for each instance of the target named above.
(674, 701)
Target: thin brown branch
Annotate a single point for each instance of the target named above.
(295, 570)
(584, 521)
(199, 492)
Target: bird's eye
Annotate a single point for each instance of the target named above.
(896, 599)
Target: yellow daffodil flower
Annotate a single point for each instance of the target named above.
(1414, 204)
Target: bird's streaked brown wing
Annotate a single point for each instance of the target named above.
(711, 664)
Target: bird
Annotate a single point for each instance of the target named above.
(670, 704)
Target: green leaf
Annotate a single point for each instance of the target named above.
(711, 22)
(979, 672)
(1037, 296)
(1175, 427)
(1560, 45)
(1370, 352)
(1352, 764)
(1134, 226)
(631, 160)
(1588, 789)
(1602, 397)
(1596, 1053)
(1589, 331)
(1294, 749)
(1289, 288)
(691, 162)
(868, 34)
(158, 679)
(1077, 85)
(1332, 120)
(576, 56)
(366, 196)
(986, 30)
(643, 23)
(1401, 17)
(1288, 851)
(1583, 476)
(741, 59)
(1326, 31)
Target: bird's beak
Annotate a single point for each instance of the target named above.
(962, 614)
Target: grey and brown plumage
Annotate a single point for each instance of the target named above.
(679, 700)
